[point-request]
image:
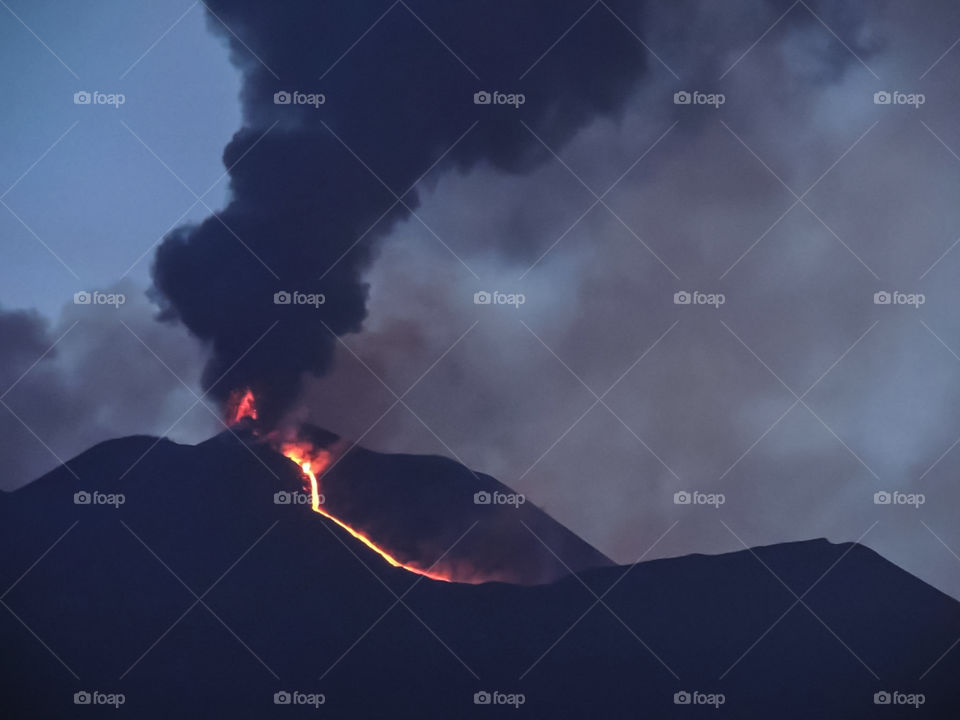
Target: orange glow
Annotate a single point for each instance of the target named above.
(314, 462)
(241, 405)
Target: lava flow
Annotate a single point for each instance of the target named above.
(314, 462)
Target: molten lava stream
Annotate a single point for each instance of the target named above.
(312, 462)
(242, 404)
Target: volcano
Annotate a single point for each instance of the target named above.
(169, 576)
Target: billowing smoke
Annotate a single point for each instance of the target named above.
(317, 180)
(699, 401)
(91, 375)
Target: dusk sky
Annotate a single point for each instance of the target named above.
(783, 197)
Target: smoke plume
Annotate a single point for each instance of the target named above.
(316, 181)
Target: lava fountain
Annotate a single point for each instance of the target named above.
(240, 405)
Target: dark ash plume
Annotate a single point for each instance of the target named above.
(305, 213)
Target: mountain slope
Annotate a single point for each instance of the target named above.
(291, 602)
(429, 509)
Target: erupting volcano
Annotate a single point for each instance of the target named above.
(427, 515)
(290, 593)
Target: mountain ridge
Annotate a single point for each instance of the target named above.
(290, 601)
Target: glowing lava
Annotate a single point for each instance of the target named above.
(240, 405)
(313, 462)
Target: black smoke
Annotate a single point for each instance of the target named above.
(305, 213)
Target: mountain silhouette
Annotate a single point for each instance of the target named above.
(182, 587)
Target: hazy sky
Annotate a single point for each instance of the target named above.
(797, 199)
(100, 199)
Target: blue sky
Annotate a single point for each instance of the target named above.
(99, 199)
